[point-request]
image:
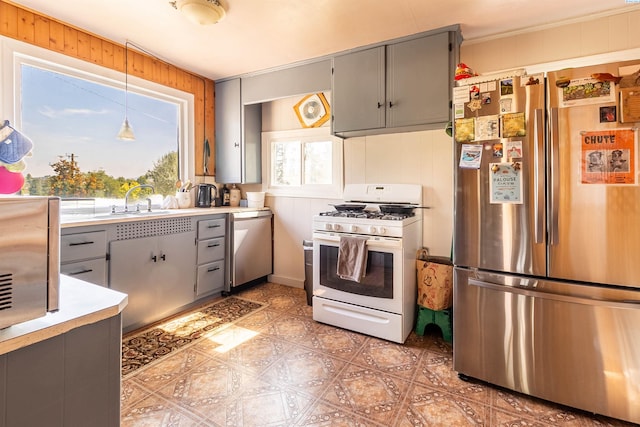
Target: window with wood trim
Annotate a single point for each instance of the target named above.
(73, 110)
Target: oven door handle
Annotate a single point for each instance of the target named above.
(371, 242)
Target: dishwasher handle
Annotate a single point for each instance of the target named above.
(251, 214)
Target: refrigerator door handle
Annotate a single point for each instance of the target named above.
(555, 179)
(555, 297)
(538, 182)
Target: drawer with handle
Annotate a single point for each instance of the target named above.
(210, 250)
(211, 228)
(79, 246)
(210, 278)
(92, 271)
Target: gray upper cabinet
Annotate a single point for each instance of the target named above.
(238, 110)
(228, 134)
(238, 130)
(359, 90)
(400, 86)
(419, 80)
(290, 81)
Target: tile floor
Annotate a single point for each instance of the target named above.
(277, 367)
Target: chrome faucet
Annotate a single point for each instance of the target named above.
(126, 196)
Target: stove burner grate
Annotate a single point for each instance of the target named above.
(367, 215)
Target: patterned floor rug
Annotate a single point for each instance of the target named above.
(141, 348)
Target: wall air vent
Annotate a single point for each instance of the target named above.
(6, 291)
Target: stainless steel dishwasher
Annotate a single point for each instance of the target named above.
(251, 242)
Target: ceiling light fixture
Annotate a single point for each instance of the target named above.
(126, 131)
(203, 12)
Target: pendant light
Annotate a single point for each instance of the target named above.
(126, 131)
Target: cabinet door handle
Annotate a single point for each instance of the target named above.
(213, 269)
(380, 104)
(81, 243)
(75, 273)
(214, 226)
(154, 258)
(390, 104)
(213, 245)
(236, 144)
(163, 257)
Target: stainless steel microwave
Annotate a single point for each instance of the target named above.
(29, 257)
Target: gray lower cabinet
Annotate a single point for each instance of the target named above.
(212, 247)
(400, 86)
(238, 135)
(162, 264)
(83, 255)
(156, 272)
(72, 379)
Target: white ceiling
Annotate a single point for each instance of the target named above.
(261, 34)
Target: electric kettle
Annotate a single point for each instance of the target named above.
(206, 195)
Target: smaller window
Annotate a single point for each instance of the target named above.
(303, 163)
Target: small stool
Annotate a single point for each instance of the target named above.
(440, 318)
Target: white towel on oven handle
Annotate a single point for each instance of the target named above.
(352, 258)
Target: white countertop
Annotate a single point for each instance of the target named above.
(83, 220)
(81, 303)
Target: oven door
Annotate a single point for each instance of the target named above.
(380, 288)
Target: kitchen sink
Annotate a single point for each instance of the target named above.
(132, 214)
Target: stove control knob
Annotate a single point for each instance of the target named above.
(328, 227)
(354, 228)
(337, 227)
(373, 230)
(382, 230)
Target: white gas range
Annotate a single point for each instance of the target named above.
(382, 303)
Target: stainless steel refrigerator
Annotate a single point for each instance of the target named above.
(547, 236)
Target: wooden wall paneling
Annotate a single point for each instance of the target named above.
(198, 148)
(118, 58)
(9, 20)
(177, 78)
(186, 81)
(147, 67)
(84, 46)
(26, 28)
(181, 80)
(155, 70)
(32, 27)
(95, 50)
(136, 64)
(163, 78)
(193, 85)
(172, 77)
(107, 55)
(70, 41)
(204, 114)
(56, 36)
(41, 31)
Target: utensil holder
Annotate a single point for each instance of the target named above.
(184, 199)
